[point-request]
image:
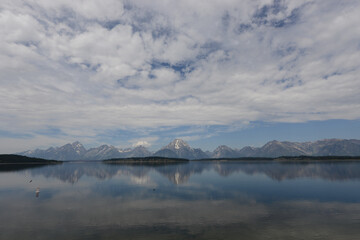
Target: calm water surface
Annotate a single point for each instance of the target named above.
(196, 200)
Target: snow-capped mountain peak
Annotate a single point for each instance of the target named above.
(180, 149)
(78, 147)
(177, 144)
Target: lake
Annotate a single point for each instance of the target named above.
(195, 200)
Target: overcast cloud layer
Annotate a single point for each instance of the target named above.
(79, 69)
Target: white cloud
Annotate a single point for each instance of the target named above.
(142, 143)
(89, 9)
(88, 66)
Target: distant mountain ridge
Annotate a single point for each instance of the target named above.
(76, 151)
(326, 147)
(180, 149)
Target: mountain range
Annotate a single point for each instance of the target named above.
(180, 149)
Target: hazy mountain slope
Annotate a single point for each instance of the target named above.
(74, 151)
(333, 147)
(102, 152)
(276, 149)
(165, 153)
(326, 147)
(225, 152)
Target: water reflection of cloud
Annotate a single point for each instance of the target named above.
(144, 181)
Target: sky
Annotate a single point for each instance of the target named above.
(129, 73)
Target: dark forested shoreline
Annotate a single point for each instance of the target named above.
(18, 159)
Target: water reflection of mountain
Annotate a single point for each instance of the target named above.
(181, 173)
(73, 172)
(334, 171)
(176, 173)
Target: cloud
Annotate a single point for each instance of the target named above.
(142, 143)
(86, 68)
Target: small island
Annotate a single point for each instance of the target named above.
(146, 160)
